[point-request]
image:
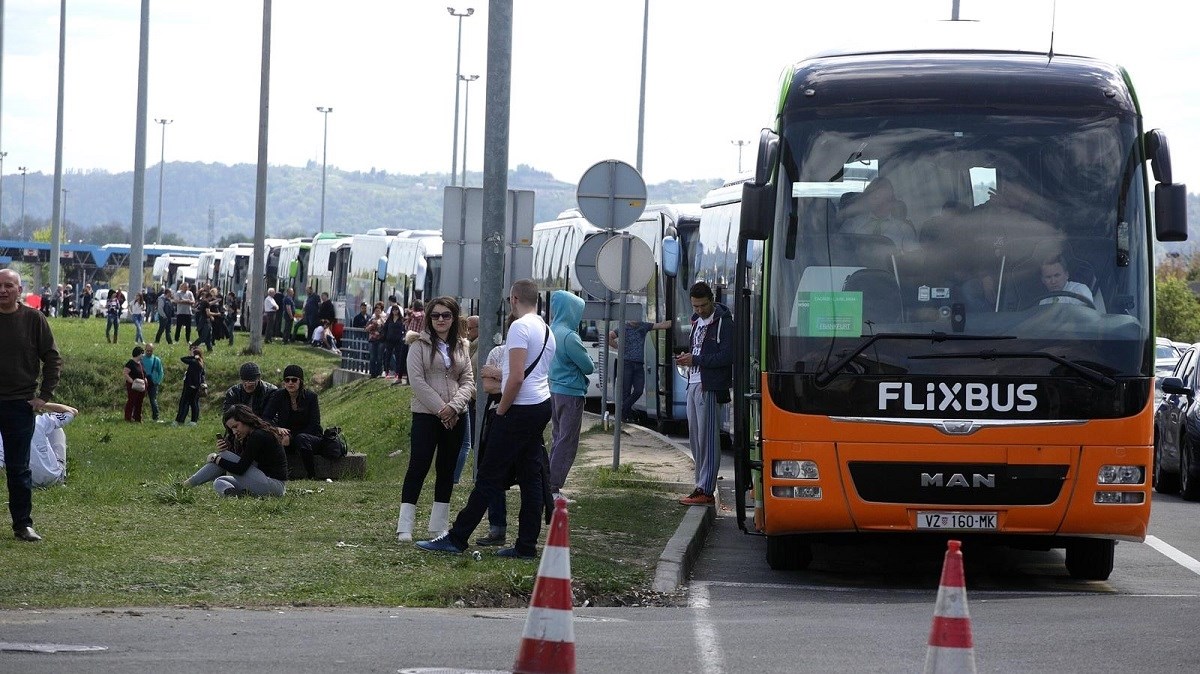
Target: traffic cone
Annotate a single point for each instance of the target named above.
(951, 648)
(548, 644)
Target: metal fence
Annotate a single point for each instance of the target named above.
(356, 355)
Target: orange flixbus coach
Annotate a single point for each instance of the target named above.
(945, 297)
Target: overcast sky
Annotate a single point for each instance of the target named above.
(387, 68)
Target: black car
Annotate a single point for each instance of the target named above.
(1177, 430)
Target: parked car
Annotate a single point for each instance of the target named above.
(1177, 430)
(100, 304)
(1166, 354)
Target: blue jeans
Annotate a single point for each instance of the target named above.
(515, 450)
(113, 325)
(16, 428)
(152, 394)
(375, 364)
(633, 382)
(137, 327)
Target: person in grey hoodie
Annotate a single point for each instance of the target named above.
(568, 385)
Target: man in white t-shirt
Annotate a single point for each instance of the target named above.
(1060, 288)
(515, 445)
(184, 300)
(48, 448)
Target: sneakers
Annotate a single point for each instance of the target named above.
(26, 534)
(513, 553)
(191, 423)
(441, 544)
(697, 497)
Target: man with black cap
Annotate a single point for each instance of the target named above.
(252, 391)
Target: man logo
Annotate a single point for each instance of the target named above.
(959, 480)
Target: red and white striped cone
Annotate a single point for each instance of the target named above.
(548, 644)
(951, 647)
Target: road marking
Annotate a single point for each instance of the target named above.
(1042, 592)
(1174, 554)
(705, 633)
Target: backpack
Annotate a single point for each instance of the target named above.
(333, 444)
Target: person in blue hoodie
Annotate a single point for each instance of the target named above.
(710, 376)
(568, 385)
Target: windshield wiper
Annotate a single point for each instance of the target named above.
(1094, 376)
(832, 371)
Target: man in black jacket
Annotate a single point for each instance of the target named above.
(252, 391)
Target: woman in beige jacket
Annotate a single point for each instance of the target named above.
(443, 384)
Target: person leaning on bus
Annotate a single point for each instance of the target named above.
(710, 376)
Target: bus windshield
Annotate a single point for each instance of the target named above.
(1029, 229)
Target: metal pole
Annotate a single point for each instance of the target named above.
(2, 156)
(497, 95)
(457, 77)
(23, 171)
(137, 266)
(324, 154)
(740, 144)
(64, 210)
(254, 301)
(466, 120)
(642, 100)
(56, 213)
(162, 162)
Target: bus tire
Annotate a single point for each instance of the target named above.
(788, 553)
(1164, 482)
(1090, 559)
(1189, 470)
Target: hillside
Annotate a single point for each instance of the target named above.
(98, 202)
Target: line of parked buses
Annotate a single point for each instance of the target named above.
(348, 268)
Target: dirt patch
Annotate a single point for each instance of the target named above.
(648, 453)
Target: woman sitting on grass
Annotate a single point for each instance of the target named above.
(250, 460)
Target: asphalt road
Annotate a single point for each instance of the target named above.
(857, 608)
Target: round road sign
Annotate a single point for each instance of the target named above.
(611, 194)
(621, 253)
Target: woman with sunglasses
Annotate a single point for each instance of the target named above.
(443, 383)
(295, 411)
(248, 460)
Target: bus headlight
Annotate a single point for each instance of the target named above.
(1120, 497)
(1121, 475)
(795, 470)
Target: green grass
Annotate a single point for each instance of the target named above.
(121, 532)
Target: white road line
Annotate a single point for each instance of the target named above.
(1042, 592)
(707, 647)
(1174, 554)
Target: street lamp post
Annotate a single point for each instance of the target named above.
(63, 228)
(457, 77)
(740, 144)
(162, 159)
(468, 79)
(2, 156)
(324, 155)
(23, 171)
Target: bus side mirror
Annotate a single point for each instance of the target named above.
(670, 256)
(1170, 212)
(381, 269)
(758, 196)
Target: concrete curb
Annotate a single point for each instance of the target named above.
(680, 554)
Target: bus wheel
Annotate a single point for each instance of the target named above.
(1090, 559)
(1164, 482)
(788, 553)
(1189, 471)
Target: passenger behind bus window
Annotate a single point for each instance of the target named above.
(878, 212)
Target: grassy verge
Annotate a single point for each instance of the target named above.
(121, 533)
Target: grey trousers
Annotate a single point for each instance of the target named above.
(253, 481)
(567, 417)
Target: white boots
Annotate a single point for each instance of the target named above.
(404, 525)
(439, 519)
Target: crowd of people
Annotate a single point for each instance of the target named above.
(538, 376)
